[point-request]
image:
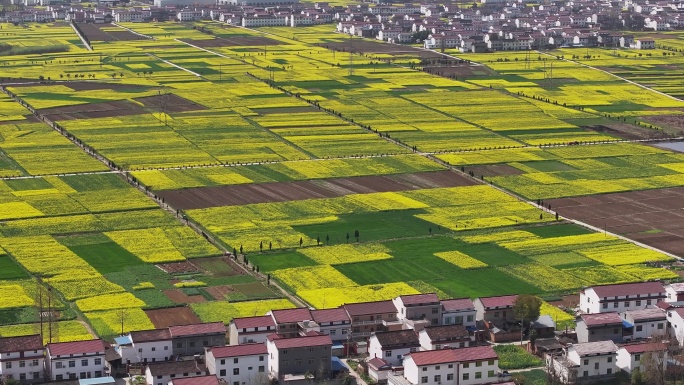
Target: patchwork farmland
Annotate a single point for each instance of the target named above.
(192, 176)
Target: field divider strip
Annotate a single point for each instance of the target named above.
(133, 32)
(83, 40)
(176, 65)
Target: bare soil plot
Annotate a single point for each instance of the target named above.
(93, 110)
(29, 119)
(204, 197)
(672, 123)
(177, 296)
(653, 217)
(367, 46)
(220, 292)
(494, 170)
(94, 32)
(178, 267)
(88, 86)
(172, 103)
(233, 41)
(163, 318)
(628, 131)
(218, 266)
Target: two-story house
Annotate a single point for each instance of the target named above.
(675, 320)
(621, 297)
(393, 346)
(599, 327)
(629, 356)
(299, 355)
(148, 346)
(591, 361)
(419, 307)
(189, 340)
(467, 366)
(333, 322)
(497, 309)
(201, 380)
(369, 317)
(459, 311)
(287, 320)
(239, 364)
(646, 323)
(21, 358)
(74, 360)
(161, 373)
(248, 330)
(444, 337)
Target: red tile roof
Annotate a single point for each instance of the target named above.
(678, 310)
(330, 315)
(300, 342)
(150, 335)
(197, 329)
(397, 339)
(21, 344)
(433, 357)
(649, 314)
(254, 322)
(366, 308)
(292, 315)
(78, 347)
(419, 299)
(457, 304)
(601, 319)
(378, 363)
(238, 350)
(647, 347)
(498, 302)
(204, 380)
(177, 367)
(631, 289)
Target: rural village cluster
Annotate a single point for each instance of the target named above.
(421, 198)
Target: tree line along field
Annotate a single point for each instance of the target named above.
(359, 156)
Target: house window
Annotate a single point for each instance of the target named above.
(388, 353)
(437, 367)
(490, 362)
(8, 365)
(450, 377)
(470, 318)
(72, 364)
(423, 380)
(637, 357)
(639, 328)
(261, 358)
(223, 362)
(609, 371)
(605, 305)
(610, 359)
(627, 303)
(478, 374)
(496, 314)
(84, 362)
(98, 361)
(298, 361)
(166, 348)
(261, 369)
(222, 372)
(58, 365)
(333, 332)
(34, 363)
(22, 364)
(192, 344)
(615, 304)
(435, 311)
(22, 376)
(466, 376)
(311, 361)
(59, 377)
(660, 326)
(235, 360)
(450, 366)
(596, 365)
(466, 365)
(491, 373)
(36, 375)
(586, 362)
(425, 368)
(648, 302)
(437, 347)
(638, 303)
(478, 364)
(236, 371)
(438, 378)
(458, 321)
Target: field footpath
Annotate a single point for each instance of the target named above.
(133, 32)
(83, 40)
(175, 65)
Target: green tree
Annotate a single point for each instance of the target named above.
(526, 308)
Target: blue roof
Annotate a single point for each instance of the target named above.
(626, 324)
(337, 365)
(123, 340)
(96, 381)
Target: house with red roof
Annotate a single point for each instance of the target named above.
(191, 339)
(589, 361)
(629, 356)
(444, 337)
(74, 360)
(145, 346)
(467, 366)
(297, 356)
(378, 369)
(497, 309)
(369, 317)
(241, 364)
(419, 307)
(621, 297)
(161, 373)
(600, 327)
(287, 320)
(21, 358)
(203, 380)
(458, 311)
(647, 323)
(333, 322)
(250, 330)
(393, 346)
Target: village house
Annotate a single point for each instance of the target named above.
(495, 309)
(629, 356)
(646, 323)
(333, 322)
(444, 337)
(369, 317)
(599, 327)
(238, 364)
(459, 311)
(249, 330)
(393, 346)
(74, 360)
(621, 297)
(299, 355)
(145, 346)
(467, 366)
(201, 380)
(674, 292)
(675, 319)
(378, 370)
(22, 358)
(161, 373)
(591, 361)
(419, 307)
(287, 320)
(189, 340)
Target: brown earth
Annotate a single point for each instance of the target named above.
(653, 217)
(174, 103)
(163, 318)
(177, 296)
(93, 110)
(673, 124)
(94, 32)
(29, 119)
(87, 86)
(233, 41)
(628, 131)
(178, 267)
(494, 170)
(204, 197)
(220, 292)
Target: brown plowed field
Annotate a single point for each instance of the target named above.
(94, 32)
(163, 318)
(174, 103)
(233, 41)
(93, 110)
(204, 197)
(653, 217)
(494, 170)
(177, 296)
